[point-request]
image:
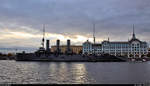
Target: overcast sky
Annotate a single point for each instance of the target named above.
(21, 21)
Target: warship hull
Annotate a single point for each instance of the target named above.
(68, 58)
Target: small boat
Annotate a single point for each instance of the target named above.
(144, 60)
(133, 60)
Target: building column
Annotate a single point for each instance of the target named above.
(102, 49)
(83, 51)
(121, 49)
(109, 49)
(128, 52)
(131, 50)
(139, 51)
(115, 49)
(134, 51)
(143, 50)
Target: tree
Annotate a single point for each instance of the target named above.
(1, 54)
(10, 54)
(148, 55)
(80, 52)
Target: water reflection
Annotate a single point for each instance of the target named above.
(63, 73)
(79, 73)
(53, 73)
(73, 73)
(43, 72)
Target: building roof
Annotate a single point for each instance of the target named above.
(116, 42)
(97, 44)
(135, 39)
(87, 42)
(119, 42)
(70, 46)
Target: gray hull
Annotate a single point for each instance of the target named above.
(67, 58)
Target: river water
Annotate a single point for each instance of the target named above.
(74, 72)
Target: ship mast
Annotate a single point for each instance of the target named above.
(43, 39)
(94, 33)
(94, 36)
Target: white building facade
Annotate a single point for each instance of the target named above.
(133, 48)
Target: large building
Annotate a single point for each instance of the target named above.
(131, 48)
(63, 48)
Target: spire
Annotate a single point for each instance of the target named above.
(108, 36)
(94, 33)
(133, 36)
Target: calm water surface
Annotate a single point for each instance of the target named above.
(74, 73)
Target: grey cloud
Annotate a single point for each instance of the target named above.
(114, 18)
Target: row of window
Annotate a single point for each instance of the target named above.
(120, 49)
(114, 51)
(112, 47)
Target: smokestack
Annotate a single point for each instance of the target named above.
(68, 45)
(47, 45)
(58, 45)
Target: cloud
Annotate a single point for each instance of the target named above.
(31, 39)
(21, 21)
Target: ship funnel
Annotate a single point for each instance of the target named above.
(58, 45)
(68, 45)
(47, 45)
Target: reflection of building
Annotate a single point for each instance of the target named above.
(131, 48)
(76, 49)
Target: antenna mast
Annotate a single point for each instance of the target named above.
(43, 40)
(94, 33)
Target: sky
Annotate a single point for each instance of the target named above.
(21, 21)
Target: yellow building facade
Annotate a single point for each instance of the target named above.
(75, 48)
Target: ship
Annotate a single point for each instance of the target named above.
(66, 58)
(44, 54)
